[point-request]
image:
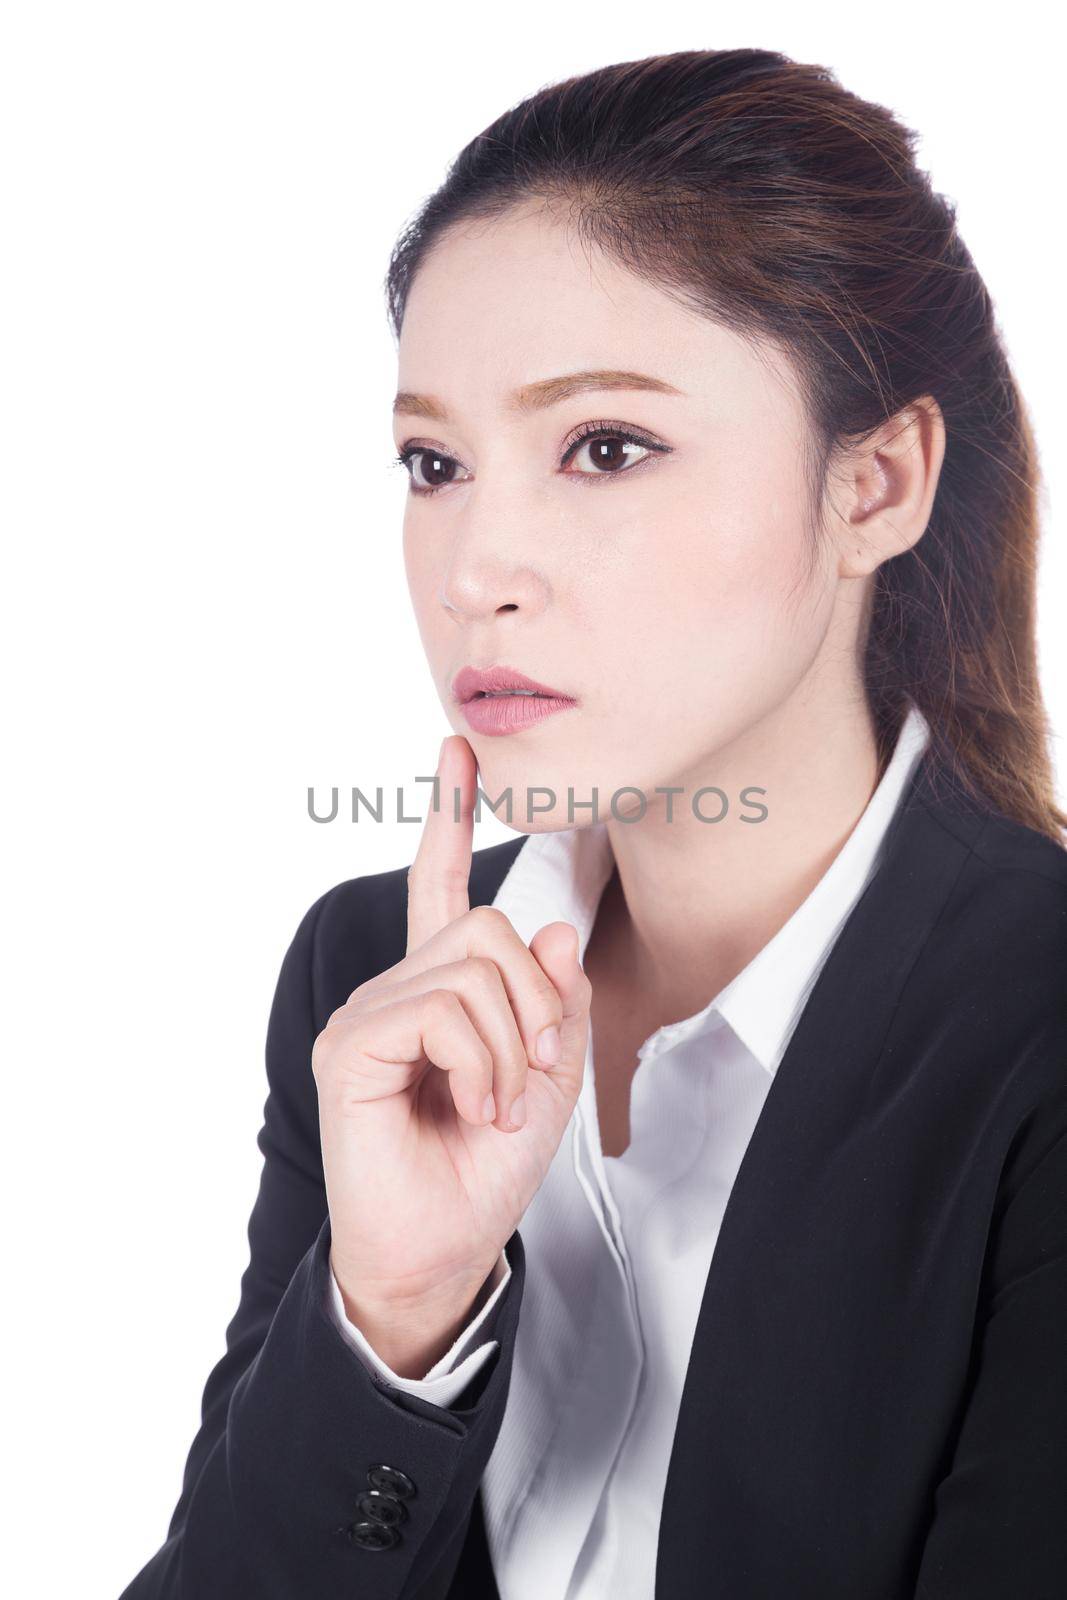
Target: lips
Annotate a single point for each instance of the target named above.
(471, 683)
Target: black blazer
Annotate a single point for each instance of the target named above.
(876, 1400)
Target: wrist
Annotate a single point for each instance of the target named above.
(410, 1332)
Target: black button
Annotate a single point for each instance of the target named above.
(377, 1506)
(373, 1536)
(392, 1480)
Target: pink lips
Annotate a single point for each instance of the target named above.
(492, 703)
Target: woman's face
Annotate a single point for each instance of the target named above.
(659, 573)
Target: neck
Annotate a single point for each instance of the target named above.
(690, 903)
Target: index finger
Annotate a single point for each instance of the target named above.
(439, 876)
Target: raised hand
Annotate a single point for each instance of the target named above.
(445, 1084)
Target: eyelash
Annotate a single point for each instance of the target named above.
(588, 430)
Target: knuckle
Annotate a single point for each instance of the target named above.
(483, 973)
(454, 877)
(440, 1005)
(490, 919)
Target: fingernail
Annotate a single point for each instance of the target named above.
(518, 1112)
(489, 1108)
(548, 1045)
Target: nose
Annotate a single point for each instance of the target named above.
(489, 574)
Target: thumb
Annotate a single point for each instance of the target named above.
(556, 948)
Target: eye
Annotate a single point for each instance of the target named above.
(601, 449)
(608, 450)
(428, 469)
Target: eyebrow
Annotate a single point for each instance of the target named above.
(538, 396)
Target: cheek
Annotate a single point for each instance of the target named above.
(715, 590)
(424, 587)
(742, 581)
(422, 568)
(744, 546)
(416, 565)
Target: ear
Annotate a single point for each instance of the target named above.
(885, 488)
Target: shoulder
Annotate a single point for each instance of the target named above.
(358, 927)
(1018, 886)
(1014, 889)
(995, 964)
(1009, 848)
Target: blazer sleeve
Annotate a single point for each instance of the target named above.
(999, 1526)
(296, 1431)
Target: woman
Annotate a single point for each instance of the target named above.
(719, 1249)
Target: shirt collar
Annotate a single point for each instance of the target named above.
(560, 876)
(763, 1003)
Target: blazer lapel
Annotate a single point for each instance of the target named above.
(489, 868)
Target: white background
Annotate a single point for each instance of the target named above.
(203, 580)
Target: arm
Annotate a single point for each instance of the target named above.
(999, 1526)
(292, 1420)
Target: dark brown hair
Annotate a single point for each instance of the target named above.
(761, 192)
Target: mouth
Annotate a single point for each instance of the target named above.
(492, 683)
(505, 694)
(499, 700)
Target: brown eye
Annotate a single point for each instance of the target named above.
(429, 470)
(605, 449)
(609, 453)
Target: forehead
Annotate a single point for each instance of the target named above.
(497, 306)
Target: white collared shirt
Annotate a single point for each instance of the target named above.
(618, 1248)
